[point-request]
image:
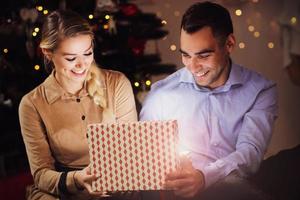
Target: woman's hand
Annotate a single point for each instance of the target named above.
(83, 179)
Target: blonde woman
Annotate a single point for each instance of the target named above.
(54, 116)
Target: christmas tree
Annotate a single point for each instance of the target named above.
(122, 32)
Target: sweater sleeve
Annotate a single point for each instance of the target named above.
(38, 151)
(124, 100)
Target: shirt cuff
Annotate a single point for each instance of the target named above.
(216, 171)
(62, 186)
(70, 183)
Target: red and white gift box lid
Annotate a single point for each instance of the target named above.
(132, 155)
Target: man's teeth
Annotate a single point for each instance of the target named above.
(200, 74)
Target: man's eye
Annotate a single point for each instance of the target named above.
(88, 54)
(203, 56)
(185, 55)
(70, 59)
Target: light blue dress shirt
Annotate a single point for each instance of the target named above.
(223, 130)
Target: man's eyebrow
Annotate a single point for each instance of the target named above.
(183, 52)
(208, 50)
(72, 54)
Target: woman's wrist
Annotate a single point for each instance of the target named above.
(62, 184)
(77, 185)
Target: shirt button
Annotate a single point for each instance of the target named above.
(78, 100)
(83, 117)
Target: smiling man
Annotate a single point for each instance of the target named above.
(225, 112)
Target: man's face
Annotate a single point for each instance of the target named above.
(205, 58)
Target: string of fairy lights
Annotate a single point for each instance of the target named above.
(238, 12)
(106, 26)
(35, 32)
(41, 9)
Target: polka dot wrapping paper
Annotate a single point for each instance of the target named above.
(132, 156)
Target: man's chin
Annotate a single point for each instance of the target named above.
(201, 82)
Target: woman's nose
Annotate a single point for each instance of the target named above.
(79, 63)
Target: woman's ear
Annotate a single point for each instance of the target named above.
(47, 53)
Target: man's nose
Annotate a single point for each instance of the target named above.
(194, 65)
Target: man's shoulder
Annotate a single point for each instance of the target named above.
(255, 78)
(170, 82)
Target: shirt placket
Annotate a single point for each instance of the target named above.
(83, 114)
(82, 111)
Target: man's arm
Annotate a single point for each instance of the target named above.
(252, 142)
(152, 107)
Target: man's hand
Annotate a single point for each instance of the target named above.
(185, 181)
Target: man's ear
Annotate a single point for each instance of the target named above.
(230, 43)
(47, 53)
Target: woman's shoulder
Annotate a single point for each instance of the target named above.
(111, 78)
(36, 94)
(30, 98)
(112, 74)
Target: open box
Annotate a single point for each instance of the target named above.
(132, 156)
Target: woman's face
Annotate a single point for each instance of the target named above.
(72, 60)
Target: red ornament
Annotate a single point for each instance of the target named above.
(137, 45)
(129, 9)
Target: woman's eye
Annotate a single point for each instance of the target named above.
(70, 59)
(88, 54)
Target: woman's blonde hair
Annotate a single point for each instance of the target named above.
(65, 24)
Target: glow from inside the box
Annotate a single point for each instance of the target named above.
(182, 151)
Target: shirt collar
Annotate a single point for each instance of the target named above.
(235, 78)
(53, 91)
(186, 76)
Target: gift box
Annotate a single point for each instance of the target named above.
(132, 156)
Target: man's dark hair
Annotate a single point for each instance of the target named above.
(208, 14)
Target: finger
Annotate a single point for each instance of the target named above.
(182, 174)
(100, 194)
(92, 192)
(88, 170)
(185, 163)
(90, 178)
(105, 195)
(97, 176)
(187, 192)
(89, 188)
(178, 183)
(178, 174)
(168, 186)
